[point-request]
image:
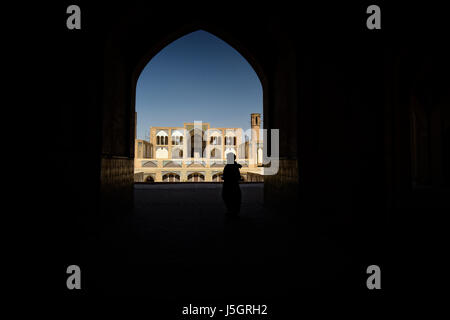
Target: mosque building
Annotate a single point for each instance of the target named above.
(197, 153)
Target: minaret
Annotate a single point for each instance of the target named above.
(256, 125)
(255, 142)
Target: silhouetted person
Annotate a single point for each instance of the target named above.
(231, 192)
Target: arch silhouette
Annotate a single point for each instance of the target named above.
(249, 57)
(146, 53)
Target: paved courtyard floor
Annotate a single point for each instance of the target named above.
(179, 244)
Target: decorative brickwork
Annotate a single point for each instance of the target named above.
(284, 185)
(116, 182)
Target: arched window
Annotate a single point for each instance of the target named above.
(176, 137)
(162, 138)
(171, 177)
(162, 153)
(214, 136)
(196, 177)
(215, 153)
(230, 140)
(177, 153)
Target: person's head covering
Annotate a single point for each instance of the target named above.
(230, 157)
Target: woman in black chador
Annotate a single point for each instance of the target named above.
(231, 192)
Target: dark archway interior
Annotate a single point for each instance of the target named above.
(364, 141)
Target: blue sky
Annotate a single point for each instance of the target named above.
(197, 77)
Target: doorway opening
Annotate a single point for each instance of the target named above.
(197, 100)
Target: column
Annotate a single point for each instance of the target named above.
(170, 143)
(183, 175)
